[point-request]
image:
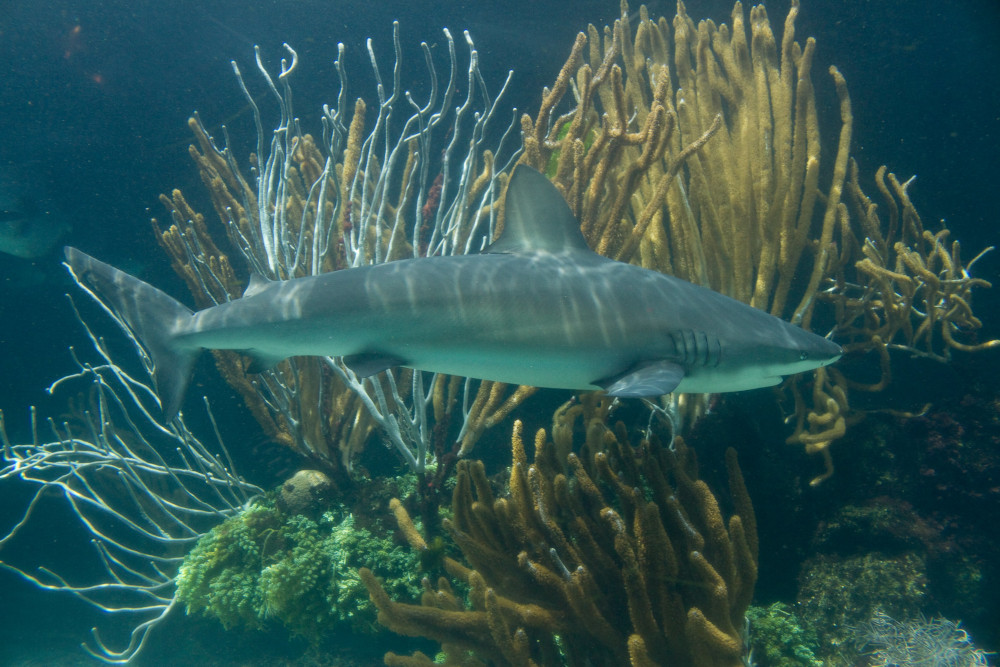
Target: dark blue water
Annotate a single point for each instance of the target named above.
(94, 98)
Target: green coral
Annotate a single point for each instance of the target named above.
(777, 639)
(263, 566)
(217, 575)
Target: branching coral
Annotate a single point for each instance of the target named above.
(904, 286)
(143, 492)
(738, 112)
(623, 557)
(376, 188)
(319, 417)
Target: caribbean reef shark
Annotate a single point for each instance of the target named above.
(537, 307)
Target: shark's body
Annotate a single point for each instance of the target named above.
(538, 307)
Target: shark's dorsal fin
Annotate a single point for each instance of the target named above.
(537, 218)
(257, 284)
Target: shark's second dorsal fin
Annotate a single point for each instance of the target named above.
(257, 284)
(537, 218)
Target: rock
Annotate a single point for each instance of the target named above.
(306, 492)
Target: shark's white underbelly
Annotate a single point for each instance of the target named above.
(556, 369)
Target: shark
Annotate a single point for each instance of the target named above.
(536, 307)
(31, 225)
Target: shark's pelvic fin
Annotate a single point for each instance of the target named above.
(537, 218)
(260, 362)
(646, 379)
(370, 363)
(153, 317)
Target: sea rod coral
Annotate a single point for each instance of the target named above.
(614, 556)
(764, 209)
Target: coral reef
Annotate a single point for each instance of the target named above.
(618, 555)
(865, 558)
(265, 566)
(911, 525)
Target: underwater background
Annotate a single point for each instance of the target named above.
(94, 102)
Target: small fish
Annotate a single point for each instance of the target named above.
(537, 307)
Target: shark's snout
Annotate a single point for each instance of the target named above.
(821, 351)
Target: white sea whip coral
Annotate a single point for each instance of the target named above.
(935, 643)
(143, 490)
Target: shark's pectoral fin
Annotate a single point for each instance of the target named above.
(648, 378)
(261, 362)
(370, 363)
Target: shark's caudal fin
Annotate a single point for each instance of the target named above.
(153, 317)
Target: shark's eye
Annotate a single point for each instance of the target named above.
(803, 356)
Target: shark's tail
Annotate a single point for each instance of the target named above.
(154, 318)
